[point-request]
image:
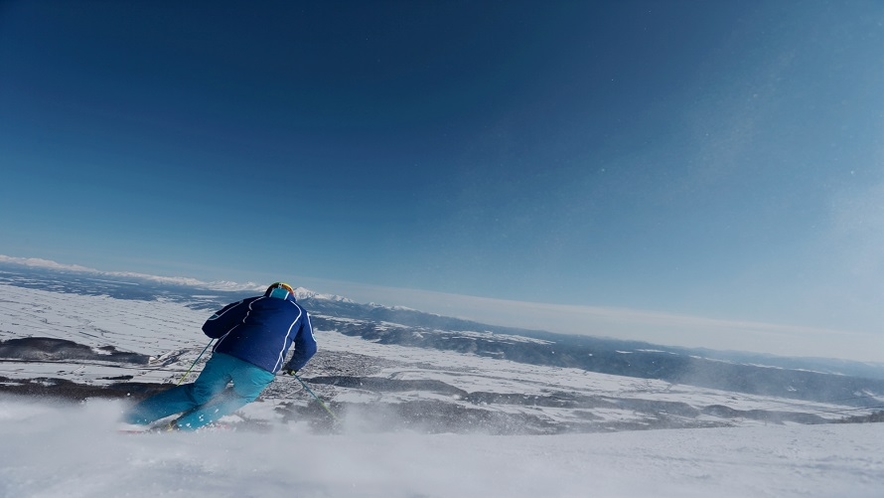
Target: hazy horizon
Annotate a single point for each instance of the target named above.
(618, 323)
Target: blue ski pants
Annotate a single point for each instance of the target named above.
(208, 398)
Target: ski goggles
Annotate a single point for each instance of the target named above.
(282, 285)
(280, 290)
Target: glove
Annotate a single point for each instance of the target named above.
(289, 371)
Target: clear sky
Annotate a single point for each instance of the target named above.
(721, 160)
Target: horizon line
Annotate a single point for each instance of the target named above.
(679, 330)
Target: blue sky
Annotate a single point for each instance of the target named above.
(722, 160)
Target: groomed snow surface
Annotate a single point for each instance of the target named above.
(73, 451)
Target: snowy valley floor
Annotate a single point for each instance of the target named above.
(60, 450)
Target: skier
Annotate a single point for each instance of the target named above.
(254, 336)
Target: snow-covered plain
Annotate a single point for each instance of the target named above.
(52, 448)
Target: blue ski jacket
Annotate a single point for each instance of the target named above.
(261, 329)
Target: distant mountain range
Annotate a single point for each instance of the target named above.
(822, 380)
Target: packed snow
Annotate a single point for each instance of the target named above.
(70, 451)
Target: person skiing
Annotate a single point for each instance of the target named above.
(254, 335)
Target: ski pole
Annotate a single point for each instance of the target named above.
(194, 362)
(317, 398)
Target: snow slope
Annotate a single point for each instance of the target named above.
(387, 446)
(72, 451)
